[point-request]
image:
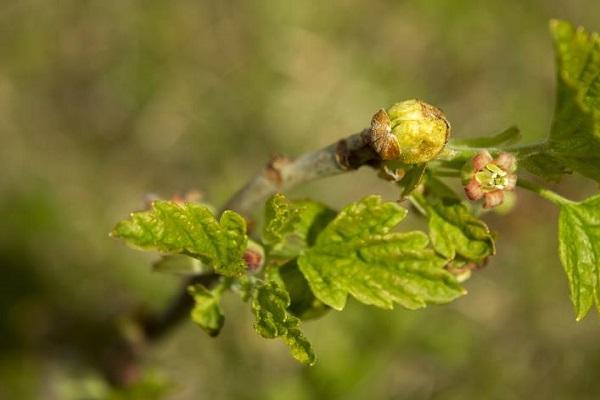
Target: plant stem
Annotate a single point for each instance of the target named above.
(466, 152)
(543, 192)
(283, 174)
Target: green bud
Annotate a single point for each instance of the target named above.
(411, 132)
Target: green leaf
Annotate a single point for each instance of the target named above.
(269, 305)
(207, 311)
(358, 254)
(414, 176)
(189, 229)
(579, 249)
(290, 226)
(507, 137)
(453, 229)
(574, 142)
(303, 302)
(545, 165)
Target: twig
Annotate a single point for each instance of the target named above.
(283, 174)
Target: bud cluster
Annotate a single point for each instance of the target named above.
(488, 178)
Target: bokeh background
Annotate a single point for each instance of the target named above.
(104, 101)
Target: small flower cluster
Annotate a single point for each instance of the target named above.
(488, 178)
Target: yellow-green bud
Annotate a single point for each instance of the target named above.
(411, 132)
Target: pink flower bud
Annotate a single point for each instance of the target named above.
(489, 178)
(506, 161)
(482, 159)
(493, 199)
(474, 190)
(254, 259)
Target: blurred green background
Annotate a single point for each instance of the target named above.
(104, 101)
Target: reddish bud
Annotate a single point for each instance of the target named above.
(506, 161)
(254, 259)
(482, 159)
(489, 178)
(493, 199)
(474, 190)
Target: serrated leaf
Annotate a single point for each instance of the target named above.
(190, 229)
(290, 226)
(303, 302)
(453, 229)
(357, 254)
(579, 249)
(269, 305)
(574, 141)
(207, 311)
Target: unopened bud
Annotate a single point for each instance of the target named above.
(254, 257)
(411, 132)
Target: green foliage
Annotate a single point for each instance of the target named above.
(579, 249)
(207, 311)
(303, 303)
(269, 305)
(455, 232)
(358, 254)
(413, 178)
(574, 142)
(453, 229)
(190, 229)
(314, 257)
(545, 165)
(291, 226)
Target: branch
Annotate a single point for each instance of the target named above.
(283, 174)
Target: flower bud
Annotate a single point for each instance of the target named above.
(488, 178)
(411, 132)
(254, 257)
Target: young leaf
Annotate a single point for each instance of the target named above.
(357, 254)
(579, 249)
(291, 226)
(412, 179)
(303, 302)
(456, 232)
(207, 310)
(269, 305)
(545, 165)
(574, 141)
(453, 230)
(189, 229)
